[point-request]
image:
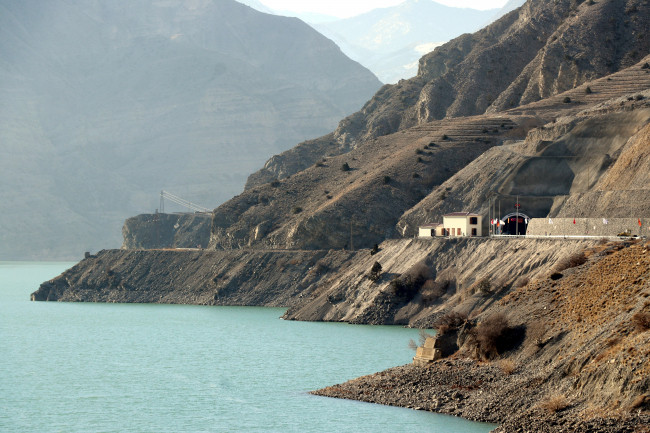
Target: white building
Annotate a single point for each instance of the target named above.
(462, 224)
(431, 230)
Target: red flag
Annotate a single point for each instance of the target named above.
(639, 222)
(574, 220)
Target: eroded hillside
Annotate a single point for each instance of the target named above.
(587, 164)
(580, 361)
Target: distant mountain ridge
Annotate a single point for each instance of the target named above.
(390, 40)
(102, 106)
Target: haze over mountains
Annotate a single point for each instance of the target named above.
(389, 41)
(103, 105)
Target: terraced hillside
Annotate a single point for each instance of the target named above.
(576, 165)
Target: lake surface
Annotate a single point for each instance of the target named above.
(72, 367)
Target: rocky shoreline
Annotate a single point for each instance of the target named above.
(580, 364)
(481, 392)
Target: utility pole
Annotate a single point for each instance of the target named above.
(499, 218)
(490, 216)
(517, 220)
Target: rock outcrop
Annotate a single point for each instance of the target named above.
(162, 230)
(270, 278)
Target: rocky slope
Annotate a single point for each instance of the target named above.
(103, 106)
(455, 164)
(445, 275)
(358, 197)
(573, 167)
(162, 230)
(581, 363)
(191, 277)
(542, 49)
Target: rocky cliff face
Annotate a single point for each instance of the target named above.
(163, 230)
(542, 49)
(268, 278)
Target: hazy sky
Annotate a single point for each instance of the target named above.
(347, 8)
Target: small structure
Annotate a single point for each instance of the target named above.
(462, 224)
(427, 353)
(431, 230)
(454, 224)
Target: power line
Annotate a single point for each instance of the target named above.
(176, 199)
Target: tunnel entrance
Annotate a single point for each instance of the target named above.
(515, 223)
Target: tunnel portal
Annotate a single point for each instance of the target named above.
(515, 223)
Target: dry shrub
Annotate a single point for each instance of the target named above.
(640, 401)
(554, 404)
(423, 335)
(571, 261)
(535, 332)
(611, 342)
(433, 290)
(409, 284)
(419, 272)
(375, 272)
(449, 322)
(484, 285)
(507, 366)
(641, 321)
(488, 333)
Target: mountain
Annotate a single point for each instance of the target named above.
(102, 106)
(407, 142)
(539, 50)
(389, 41)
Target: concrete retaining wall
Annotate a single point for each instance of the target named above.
(587, 227)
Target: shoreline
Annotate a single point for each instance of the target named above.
(479, 392)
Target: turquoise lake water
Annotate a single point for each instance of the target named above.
(72, 367)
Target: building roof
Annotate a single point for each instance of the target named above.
(461, 214)
(430, 226)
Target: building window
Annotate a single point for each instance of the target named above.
(473, 220)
